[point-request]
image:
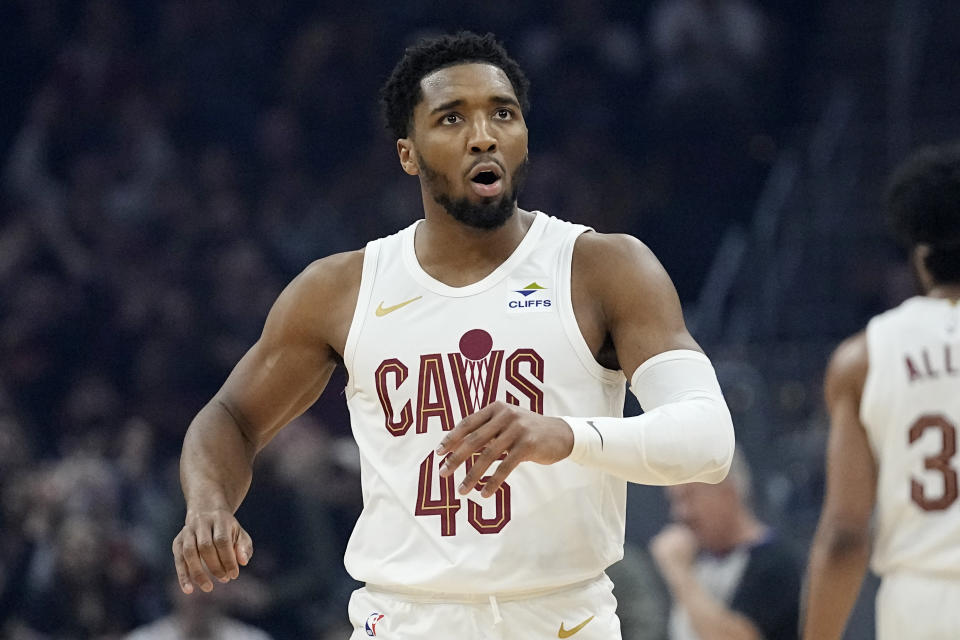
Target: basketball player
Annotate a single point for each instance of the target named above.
(893, 393)
(467, 338)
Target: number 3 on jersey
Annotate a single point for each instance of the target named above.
(939, 462)
(446, 504)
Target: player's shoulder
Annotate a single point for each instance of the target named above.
(616, 261)
(604, 246)
(325, 284)
(319, 302)
(334, 271)
(848, 365)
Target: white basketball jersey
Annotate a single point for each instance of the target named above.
(421, 355)
(911, 410)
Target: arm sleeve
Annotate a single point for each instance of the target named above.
(684, 435)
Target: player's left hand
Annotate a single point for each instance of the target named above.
(501, 429)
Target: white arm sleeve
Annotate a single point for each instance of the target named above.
(684, 435)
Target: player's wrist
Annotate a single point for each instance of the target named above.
(207, 505)
(566, 439)
(585, 440)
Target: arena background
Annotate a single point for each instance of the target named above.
(168, 166)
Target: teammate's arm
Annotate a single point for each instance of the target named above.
(841, 546)
(619, 290)
(276, 380)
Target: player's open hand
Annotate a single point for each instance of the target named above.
(211, 543)
(504, 432)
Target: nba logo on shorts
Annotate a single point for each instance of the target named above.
(372, 621)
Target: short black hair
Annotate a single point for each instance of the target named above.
(401, 92)
(923, 206)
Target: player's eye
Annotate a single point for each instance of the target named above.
(451, 118)
(503, 114)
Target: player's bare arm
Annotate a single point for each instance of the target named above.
(623, 297)
(281, 376)
(841, 546)
(628, 312)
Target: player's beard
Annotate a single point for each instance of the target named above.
(491, 213)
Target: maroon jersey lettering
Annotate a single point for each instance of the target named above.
(445, 504)
(396, 427)
(534, 364)
(433, 383)
(939, 463)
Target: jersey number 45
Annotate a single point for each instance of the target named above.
(445, 503)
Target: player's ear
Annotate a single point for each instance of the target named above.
(407, 157)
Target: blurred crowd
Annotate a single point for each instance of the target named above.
(168, 166)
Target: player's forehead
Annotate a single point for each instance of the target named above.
(469, 82)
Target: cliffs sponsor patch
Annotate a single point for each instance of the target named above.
(529, 296)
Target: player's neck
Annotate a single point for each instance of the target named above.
(458, 254)
(948, 291)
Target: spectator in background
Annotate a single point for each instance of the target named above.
(86, 581)
(729, 574)
(707, 49)
(199, 618)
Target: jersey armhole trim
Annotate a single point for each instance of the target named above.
(568, 318)
(867, 405)
(368, 274)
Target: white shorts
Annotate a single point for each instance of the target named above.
(584, 611)
(911, 605)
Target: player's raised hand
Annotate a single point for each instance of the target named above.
(210, 543)
(505, 432)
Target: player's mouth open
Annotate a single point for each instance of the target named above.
(486, 180)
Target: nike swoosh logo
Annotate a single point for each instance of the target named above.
(566, 633)
(590, 422)
(382, 310)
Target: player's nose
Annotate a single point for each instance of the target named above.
(482, 138)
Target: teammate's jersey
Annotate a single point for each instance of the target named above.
(911, 410)
(420, 356)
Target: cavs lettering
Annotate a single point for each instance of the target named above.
(468, 380)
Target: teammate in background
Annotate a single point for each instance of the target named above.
(893, 394)
(730, 575)
(460, 335)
